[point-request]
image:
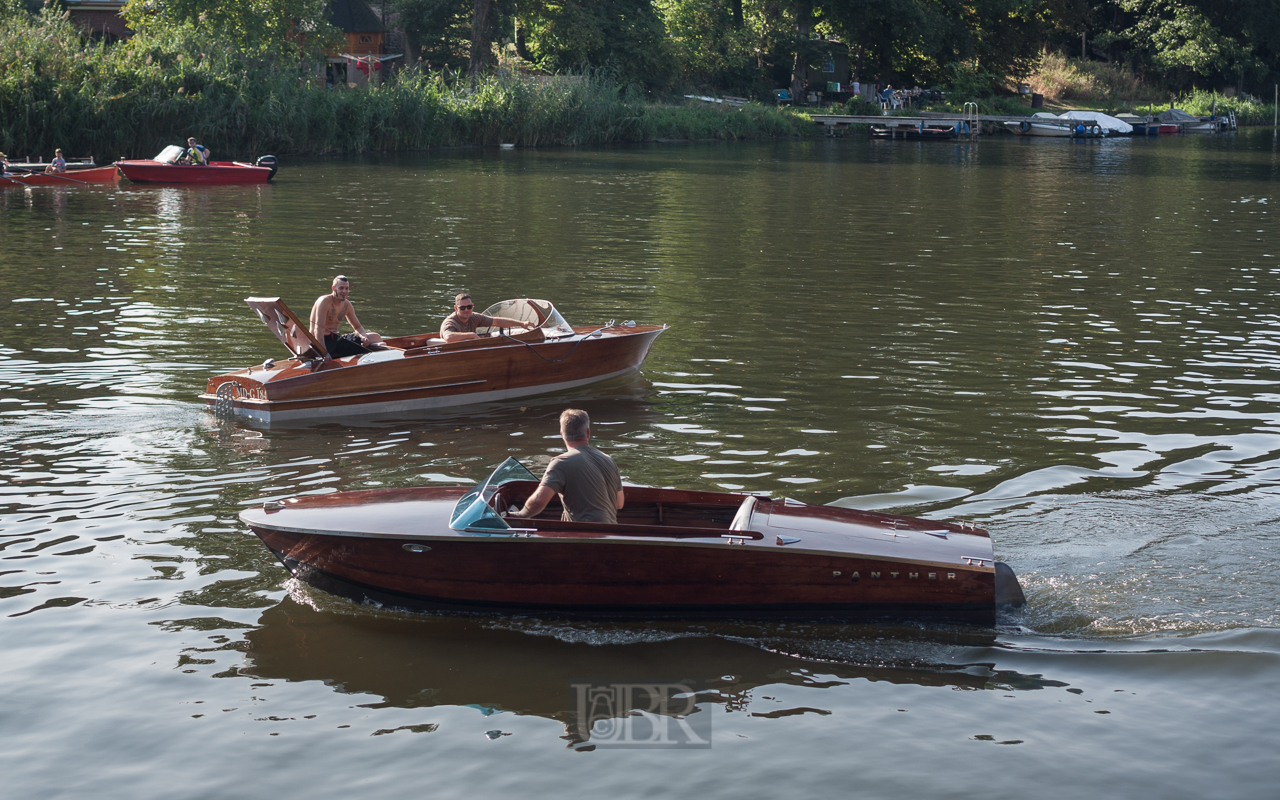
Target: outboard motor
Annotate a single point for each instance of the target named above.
(267, 161)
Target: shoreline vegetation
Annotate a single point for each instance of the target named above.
(58, 89)
(61, 89)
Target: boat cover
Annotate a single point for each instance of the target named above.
(1176, 115)
(1104, 121)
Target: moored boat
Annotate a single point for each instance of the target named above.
(97, 175)
(913, 133)
(671, 553)
(164, 168)
(419, 372)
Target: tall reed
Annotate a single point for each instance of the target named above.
(58, 89)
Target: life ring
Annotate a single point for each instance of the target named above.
(1024, 126)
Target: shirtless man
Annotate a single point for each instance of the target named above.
(587, 480)
(462, 323)
(326, 317)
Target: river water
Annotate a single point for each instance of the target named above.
(1074, 344)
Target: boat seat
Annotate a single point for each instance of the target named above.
(742, 519)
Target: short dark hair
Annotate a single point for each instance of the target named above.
(337, 279)
(457, 301)
(575, 425)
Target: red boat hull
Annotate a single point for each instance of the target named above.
(96, 175)
(216, 173)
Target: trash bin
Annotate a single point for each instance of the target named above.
(1037, 101)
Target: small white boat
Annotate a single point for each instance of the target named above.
(1042, 124)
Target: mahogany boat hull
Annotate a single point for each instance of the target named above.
(96, 175)
(216, 173)
(395, 547)
(430, 377)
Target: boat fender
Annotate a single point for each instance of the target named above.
(1008, 590)
(1024, 126)
(267, 161)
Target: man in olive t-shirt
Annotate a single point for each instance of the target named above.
(462, 323)
(587, 480)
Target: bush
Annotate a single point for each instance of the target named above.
(1064, 79)
(861, 106)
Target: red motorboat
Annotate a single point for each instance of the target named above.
(79, 177)
(672, 553)
(164, 168)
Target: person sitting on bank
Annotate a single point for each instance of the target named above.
(462, 323)
(586, 480)
(327, 315)
(195, 154)
(58, 164)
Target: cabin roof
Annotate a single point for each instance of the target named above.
(354, 16)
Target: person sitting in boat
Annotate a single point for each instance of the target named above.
(58, 164)
(462, 323)
(326, 317)
(4, 164)
(195, 154)
(587, 480)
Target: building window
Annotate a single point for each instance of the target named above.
(829, 66)
(366, 39)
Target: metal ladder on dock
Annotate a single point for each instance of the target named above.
(970, 118)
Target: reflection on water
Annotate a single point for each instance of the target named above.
(530, 667)
(1074, 344)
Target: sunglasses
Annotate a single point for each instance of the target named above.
(466, 308)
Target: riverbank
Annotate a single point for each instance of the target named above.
(131, 99)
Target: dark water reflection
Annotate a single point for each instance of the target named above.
(1074, 344)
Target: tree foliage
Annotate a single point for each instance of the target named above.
(254, 27)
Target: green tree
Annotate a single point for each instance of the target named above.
(254, 27)
(625, 35)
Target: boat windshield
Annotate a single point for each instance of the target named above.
(540, 312)
(169, 155)
(473, 512)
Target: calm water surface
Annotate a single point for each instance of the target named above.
(1075, 345)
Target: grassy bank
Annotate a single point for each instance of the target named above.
(131, 99)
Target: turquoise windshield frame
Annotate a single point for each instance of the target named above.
(473, 512)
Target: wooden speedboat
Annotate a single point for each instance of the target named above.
(671, 553)
(164, 168)
(415, 373)
(79, 177)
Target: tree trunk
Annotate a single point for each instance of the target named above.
(737, 13)
(800, 69)
(481, 44)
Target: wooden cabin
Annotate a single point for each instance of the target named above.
(365, 35)
(101, 19)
